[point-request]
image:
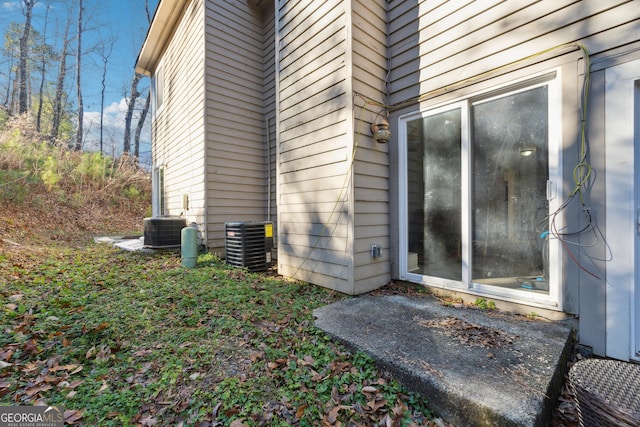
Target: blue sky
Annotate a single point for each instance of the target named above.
(120, 25)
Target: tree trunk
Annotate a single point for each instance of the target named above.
(131, 103)
(80, 130)
(6, 103)
(105, 60)
(147, 103)
(44, 66)
(58, 106)
(23, 97)
(143, 116)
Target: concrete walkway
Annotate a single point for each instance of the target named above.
(475, 367)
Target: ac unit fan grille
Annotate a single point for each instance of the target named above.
(163, 232)
(248, 245)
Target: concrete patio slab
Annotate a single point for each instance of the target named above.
(475, 367)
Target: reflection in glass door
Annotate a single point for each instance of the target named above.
(434, 195)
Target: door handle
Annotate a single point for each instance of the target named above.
(551, 190)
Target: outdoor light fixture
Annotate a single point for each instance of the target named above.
(380, 131)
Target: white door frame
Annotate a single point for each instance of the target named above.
(553, 300)
(622, 203)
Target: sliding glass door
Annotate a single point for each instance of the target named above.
(477, 181)
(509, 143)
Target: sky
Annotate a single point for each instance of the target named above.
(118, 25)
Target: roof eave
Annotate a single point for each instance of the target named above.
(162, 25)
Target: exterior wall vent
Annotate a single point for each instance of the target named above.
(248, 244)
(163, 232)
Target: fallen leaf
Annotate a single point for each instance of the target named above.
(103, 354)
(91, 352)
(104, 386)
(4, 364)
(369, 389)
(272, 365)
(374, 405)
(102, 326)
(332, 417)
(11, 306)
(300, 411)
(71, 394)
(5, 384)
(215, 410)
(75, 384)
(31, 346)
(238, 423)
(231, 412)
(398, 410)
(148, 421)
(35, 390)
(73, 416)
(64, 368)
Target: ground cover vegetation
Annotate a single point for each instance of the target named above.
(134, 339)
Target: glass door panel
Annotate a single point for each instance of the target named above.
(510, 163)
(434, 195)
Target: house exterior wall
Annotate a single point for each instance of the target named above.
(178, 131)
(269, 111)
(371, 166)
(333, 191)
(315, 200)
(235, 116)
(443, 50)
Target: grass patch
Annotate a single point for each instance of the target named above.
(125, 339)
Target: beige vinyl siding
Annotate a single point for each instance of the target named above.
(269, 96)
(371, 168)
(235, 120)
(178, 127)
(441, 43)
(314, 143)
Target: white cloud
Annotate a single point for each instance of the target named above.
(11, 5)
(113, 130)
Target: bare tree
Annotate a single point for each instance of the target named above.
(5, 103)
(147, 103)
(11, 50)
(105, 52)
(143, 116)
(58, 104)
(23, 97)
(131, 103)
(43, 64)
(80, 130)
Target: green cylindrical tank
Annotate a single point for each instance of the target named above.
(189, 246)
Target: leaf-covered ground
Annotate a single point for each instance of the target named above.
(134, 339)
(121, 338)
